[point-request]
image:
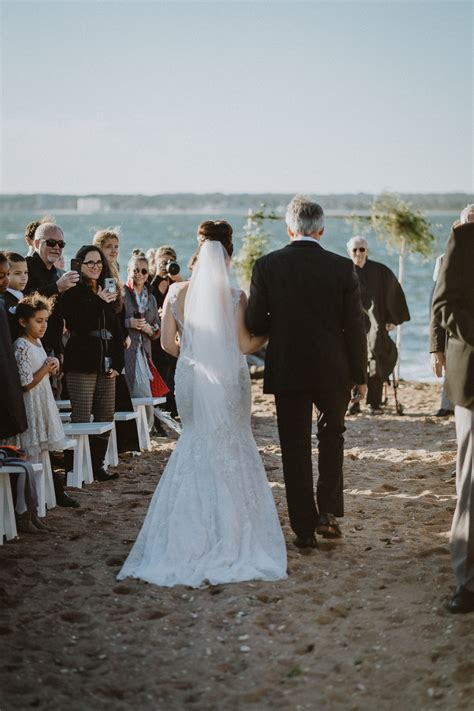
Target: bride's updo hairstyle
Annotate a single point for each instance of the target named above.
(210, 231)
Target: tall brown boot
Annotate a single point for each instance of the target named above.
(24, 524)
(41, 525)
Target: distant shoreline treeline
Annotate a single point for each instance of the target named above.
(241, 202)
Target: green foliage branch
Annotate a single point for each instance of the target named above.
(254, 244)
(401, 228)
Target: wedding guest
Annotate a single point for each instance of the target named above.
(165, 275)
(45, 430)
(385, 307)
(18, 278)
(13, 294)
(94, 352)
(12, 412)
(108, 241)
(150, 254)
(142, 321)
(46, 279)
(438, 348)
(29, 236)
(127, 438)
(453, 307)
(4, 273)
(30, 230)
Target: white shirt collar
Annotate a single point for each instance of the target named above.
(19, 294)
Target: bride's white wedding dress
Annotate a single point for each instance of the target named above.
(212, 517)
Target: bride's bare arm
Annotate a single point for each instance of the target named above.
(169, 330)
(247, 342)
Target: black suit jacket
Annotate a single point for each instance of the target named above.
(308, 300)
(12, 408)
(43, 280)
(453, 306)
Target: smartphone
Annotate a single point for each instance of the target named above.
(110, 285)
(107, 364)
(76, 266)
(137, 314)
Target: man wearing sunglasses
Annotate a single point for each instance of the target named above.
(385, 307)
(45, 278)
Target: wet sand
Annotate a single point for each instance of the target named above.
(358, 624)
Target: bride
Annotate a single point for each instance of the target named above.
(212, 517)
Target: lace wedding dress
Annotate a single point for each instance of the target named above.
(212, 517)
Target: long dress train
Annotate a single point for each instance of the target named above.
(212, 517)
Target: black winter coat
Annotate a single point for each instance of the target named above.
(84, 312)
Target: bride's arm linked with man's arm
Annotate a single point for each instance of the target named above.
(169, 330)
(248, 343)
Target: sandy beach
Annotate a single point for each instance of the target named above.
(358, 624)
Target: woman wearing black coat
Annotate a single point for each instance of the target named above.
(94, 352)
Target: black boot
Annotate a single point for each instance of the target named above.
(68, 460)
(98, 445)
(63, 499)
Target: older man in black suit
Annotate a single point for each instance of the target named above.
(453, 307)
(307, 300)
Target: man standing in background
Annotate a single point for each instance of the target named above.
(385, 307)
(453, 307)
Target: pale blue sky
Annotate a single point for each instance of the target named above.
(229, 96)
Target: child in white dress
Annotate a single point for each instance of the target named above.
(45, 429)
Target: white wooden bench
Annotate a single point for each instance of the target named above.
(63, 404)
(7, 510)
(140, 405)
(82, 470)
(111, 457)
(47, 498)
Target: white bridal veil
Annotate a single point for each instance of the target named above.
(209, 339)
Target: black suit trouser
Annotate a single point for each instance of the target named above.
(294, 416)
(374, 390)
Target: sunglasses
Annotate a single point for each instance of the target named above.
(140, 271)
(358, 249)
(53, 242)
(90, 264)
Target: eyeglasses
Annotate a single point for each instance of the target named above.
(358, 249)
(140, 271)
(91, 265)
(53, 242)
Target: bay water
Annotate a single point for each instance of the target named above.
(146, 230)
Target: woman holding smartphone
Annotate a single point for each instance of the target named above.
(94, 352)
(142, 321)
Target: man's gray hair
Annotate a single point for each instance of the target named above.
(304, 217)
(466, 214)
(45, 227)
(357, 239)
